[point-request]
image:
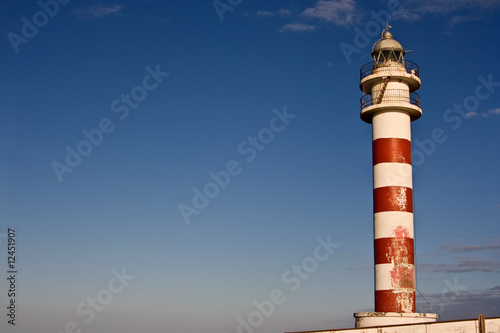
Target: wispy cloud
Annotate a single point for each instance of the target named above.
(265, 13)
(339, 12)
(491, 112)
(298, 27)
(461, 304)
(98, 11)
(449, 6)
(493, 245)
(471, 114)
(407, 15)
(282, 12)
(464, 265)
(457, 19)
(416, 10)
(467, 263)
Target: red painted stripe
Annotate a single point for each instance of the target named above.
(393, 199)
(386, 150)
(394, 250)
(391, 301)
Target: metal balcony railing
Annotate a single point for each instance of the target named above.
(368, 68)
(389, 96)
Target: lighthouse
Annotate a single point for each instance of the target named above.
(390, 104)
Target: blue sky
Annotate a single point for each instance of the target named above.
(265, 95)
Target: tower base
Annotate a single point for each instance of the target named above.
(369, 319)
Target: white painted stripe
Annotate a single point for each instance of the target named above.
(391, 125)
(392, 174)
(386, 223)
(383, 279)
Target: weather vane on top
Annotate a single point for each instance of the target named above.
(387, 27)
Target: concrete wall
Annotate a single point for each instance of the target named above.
(459, 326)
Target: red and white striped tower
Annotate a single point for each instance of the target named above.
(390, 104)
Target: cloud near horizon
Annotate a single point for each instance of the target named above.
(492, 245)
(468, 264)
(456, 302)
